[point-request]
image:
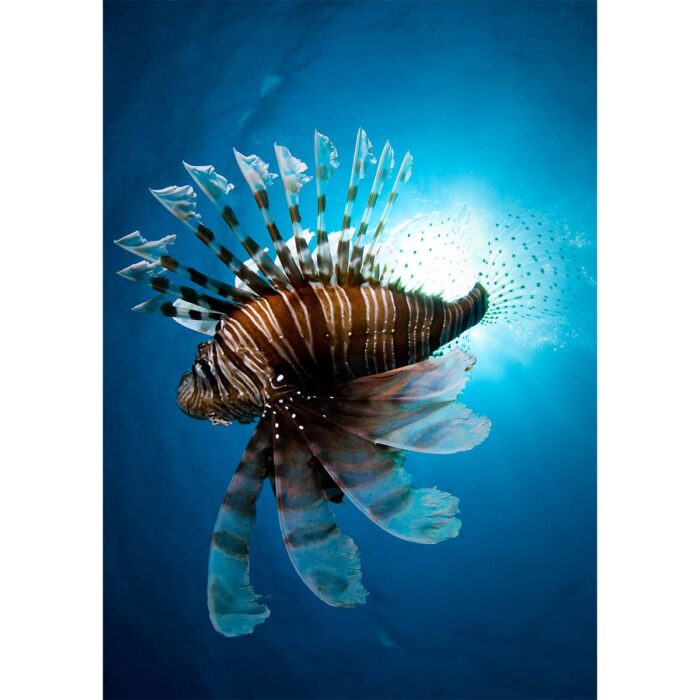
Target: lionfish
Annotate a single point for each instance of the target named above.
(343, 367)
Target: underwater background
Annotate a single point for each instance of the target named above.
(497, 103)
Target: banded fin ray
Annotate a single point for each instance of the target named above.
(326, 157)
(326, 560)
(206, 326)
(364, 153)
(161, 305)
(217, 189)
(294, 177)
(234, 607)
(404, 174)
(383, 173)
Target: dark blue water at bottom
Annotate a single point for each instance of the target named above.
(497, 98)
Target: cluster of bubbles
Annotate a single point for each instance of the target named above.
(531, 269)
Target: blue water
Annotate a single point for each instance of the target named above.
(497, 103)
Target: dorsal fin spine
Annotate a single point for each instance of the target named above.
(363, 152)
(293, 178)
(326, 158)
(383, 173)
(160, 305)
(401, 177)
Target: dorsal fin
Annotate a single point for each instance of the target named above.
(384, 170)
(181, 202)
(363, 153)
(326, 157)
(294, 177)
(368, 266)
(256, 174)
(217, 189)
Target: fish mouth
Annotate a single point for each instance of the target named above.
(186, 396)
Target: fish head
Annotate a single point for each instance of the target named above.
(205, 392)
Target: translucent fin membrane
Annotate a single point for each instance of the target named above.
(374, 479)
(531, 272)
(411, 408)
(326, 560)
(205, 326)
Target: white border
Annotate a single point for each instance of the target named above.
(648, 484)
(51, 359)
(50, 247)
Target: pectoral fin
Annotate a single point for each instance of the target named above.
(234, 607)
(326, 560)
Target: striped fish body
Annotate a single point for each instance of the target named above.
(315, 337)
